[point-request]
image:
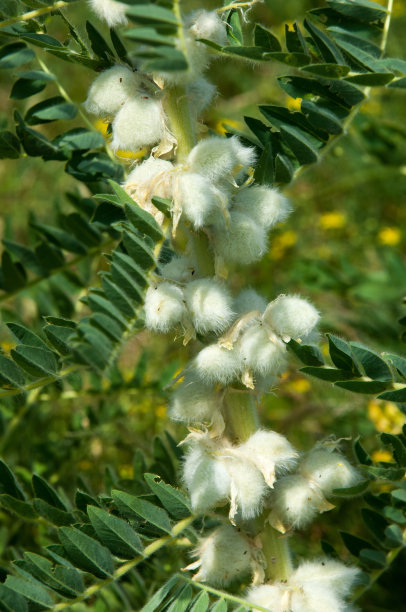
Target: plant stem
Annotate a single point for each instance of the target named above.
(277, 554)
(242, 416)
(34, 14)
(177, 108)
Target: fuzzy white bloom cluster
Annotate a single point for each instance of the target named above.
(315, 586)
(298, 498)
(110, 11)
(216, 472)
(254, 348)
(223, 557)
(139, 119)
(204, 303)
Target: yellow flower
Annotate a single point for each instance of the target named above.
(160, 411)
(386, 416)
(281, 243)
(382, 455)
(332, 220)
(223, 125)
(300, 385)
(126, 471)
(390, 236)
(294, 104)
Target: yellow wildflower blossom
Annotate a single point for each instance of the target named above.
(282, 243)
(332, 220)
(391, 236)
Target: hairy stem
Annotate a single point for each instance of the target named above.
(177, 108)
(242, 416)
(277, 554)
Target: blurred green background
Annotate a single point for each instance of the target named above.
(343, 248)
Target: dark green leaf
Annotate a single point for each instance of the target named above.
(291, 59)
(388, 473)
(13, 273)
(362, 386)
(60, 238)
(150, 36)
(375, 559)
(52, 514)
(10, 374)
(32, 591)
(327, 71)
(86, 553)
(357, 489)
(374, 366)
(341, 355)
(21, 508)
(398, 396)
(10, 601)
(8, 482)
(151, 14)
(283, 169)
(59, 337)
(295, 42)
(65, 581)
(35, 361)
(15, 54)
(9, 145)
(163, 204)
(115, 533)
(132, 506)
(154, 603)
(353, 543)
(264, 38)
(24, 88)
(301, 143)
(25, 336)
(173, 500)
(98, 44)
(44, 491)
(361, 453)
(399, 495)
(371, 79)
(325, 373)
(393, 536)
(168, 59)
(398, 362)
(327, 48)
(364, 10)
(376, 523)
(79, 139)
(117, 297)
(399, 449)
(139, 249)
(50, 110)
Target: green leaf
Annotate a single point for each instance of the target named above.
(52, 514)
(394, 515)
(357, 489)
(398, 362)
(133, 270)
(10, 373)
(79, 139)
(10, 147)
(353, 543)
(37, 362)
(60, 238)
(151, 14)
(295, 42)
(182, 600)
(398, 396)
(338, 92)
(154, 603)
(341, 355)
(133, 506)
(291, 59)
(321, 117)
(139, 250)
(115, 533)
(387, 473)
(173, 500)
(163, 204)
(15, 54)
(140, 219)
(99, 303)
(220, 606)
(371, 79)
(150, 36)
(44, 491)
(59, 337)
(86, 553)
(117, 297)
(361, 454)
(25, 336)
(364, 10)
(327, 71)
(32, 591)
(362, 386)
(374, 559)
(393, 536)
(327, 48)
(50, 110)
(202, 603)
(167, 59)
(65, 581)
(399, 449)
(374, 366)
(8, 482)
(375, 523)
(325, 373)
(10, 601)
(24, 88)
(234, 32)
(301, 143)
(21, 508)
(265, 39)
(399, 495)
(283, 169)
(121, 277)
(98, 44)
(13, 273)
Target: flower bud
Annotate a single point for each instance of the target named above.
(242, 242)
(296, 502)
(223, 557)
(248, 300)
(164, 307)
(193, 402)
(199, 199)
(206, 479)
(329, 470)
(215, 364)
(216, 157)
(260, 354)
(139, 123)
(113, 13)
(209, 304)
(264, 205)
(111, 89)
(291, 316)
(179, 270)
(271, 453)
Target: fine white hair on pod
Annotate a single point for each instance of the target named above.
(110, 90)
(248, 300)
(199, 199)
(179, 270)
(113, 13)
(208, 25)
(206, 479)
(200, 95)
(248, 488)
(243, 242)
(329, 470)
(260, 354)
(216, 157)
(215, 364)
(209, 304)
(139, 123)
(291, 316)
(264, 205)
(295, 501)
(193, 402)
(164, 307)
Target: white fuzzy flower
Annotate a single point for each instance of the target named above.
(209, 304)
(264, 205)
(296, 502)
(267, 596)
(291, 316)
(152, 177)
(111, 89)
(199, 200)
(259, 353)
(223, 556)
(328, 573)
(242, 242)
(216, 157)
(110, 11)
(208, 25)
(329, 470)
(247, 301)
(215, 364)
(179, 270)
(206, 478)
(248, 488)
(164, 307)
(271, 452)
(193, 402)
(140, 122)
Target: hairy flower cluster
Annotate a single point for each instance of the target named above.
(110, 11)
(216, 472)
(315, 586)
(298, 498)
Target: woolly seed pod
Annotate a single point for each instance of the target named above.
(215, 157)
(329, 470)
(264, 205)
(248, 488)
(200, 200)
(271, 453)
(328, 573)
(208, 25)
(267, 596)
(139, 123)
(295, 501)
(146, 176)
(179, 270)
(164, 307)
(113, 13)
(193, 402)
(248, 300)
(243, 242)
(223, 557)
(215, 364)
(291, 316)
(209, 304)
(111, 89)
(206, 479)
(260, 354)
